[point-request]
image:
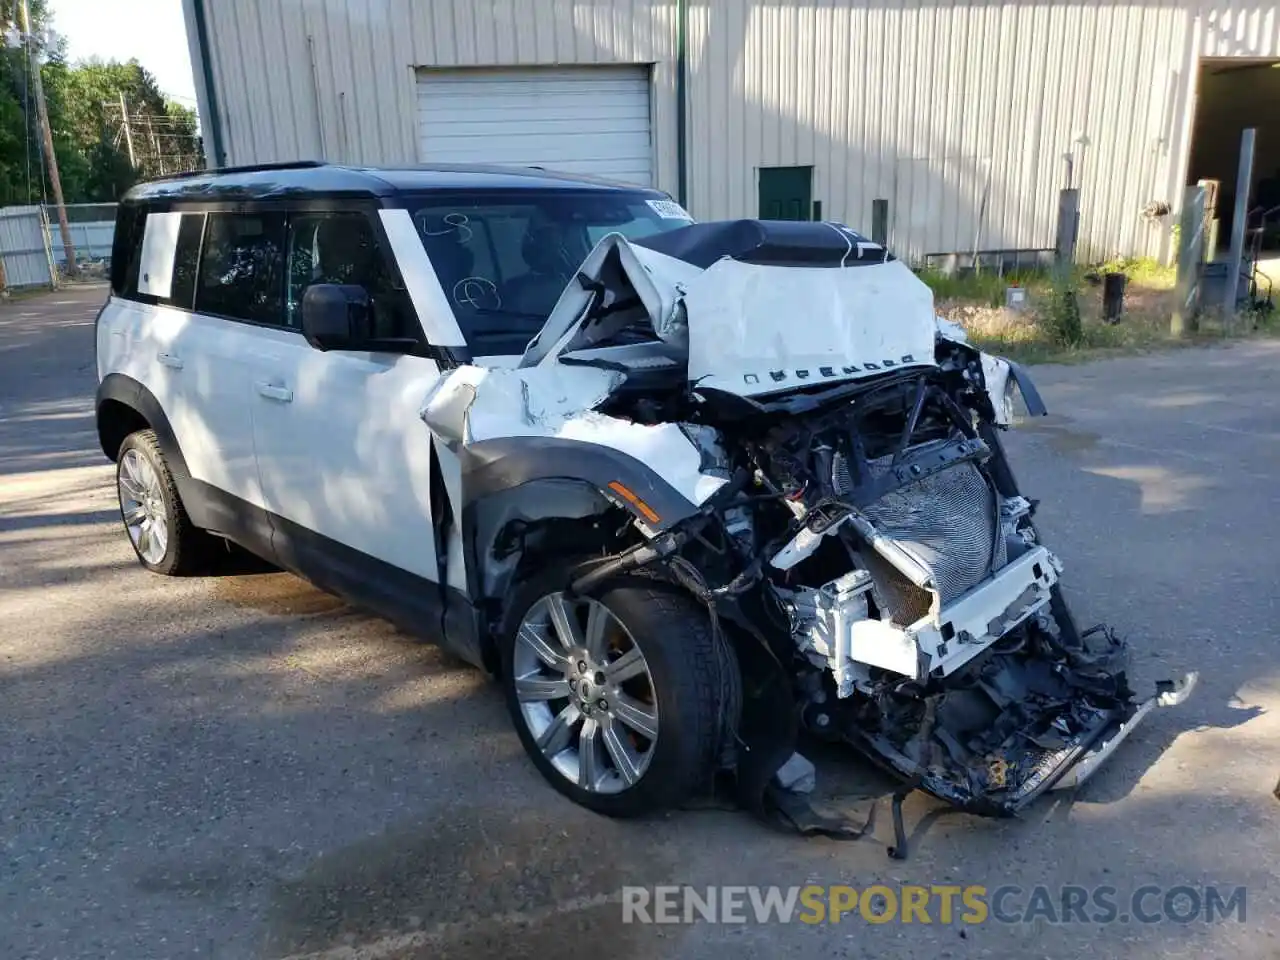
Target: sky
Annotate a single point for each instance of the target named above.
(150, 30)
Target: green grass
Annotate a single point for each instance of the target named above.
(1036, 333)
(1142, 271)
(987, 288)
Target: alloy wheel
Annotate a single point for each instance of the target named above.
(142, 506)
(585, 692)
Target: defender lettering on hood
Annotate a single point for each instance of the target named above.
(826, 373)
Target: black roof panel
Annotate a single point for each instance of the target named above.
(272, 181)
(783, 243)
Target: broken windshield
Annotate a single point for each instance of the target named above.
(503, 259)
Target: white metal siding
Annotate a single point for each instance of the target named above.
(927, 104)
(591, 119)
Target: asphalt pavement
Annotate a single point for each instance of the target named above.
(243, 767)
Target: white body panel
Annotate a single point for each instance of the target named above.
(473, 403)
(197, 369)
(340, 448)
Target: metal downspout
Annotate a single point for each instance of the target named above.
(213, 121)
(682, 110)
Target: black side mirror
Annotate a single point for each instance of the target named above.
(336, 316)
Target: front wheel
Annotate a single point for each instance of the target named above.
(617, 697)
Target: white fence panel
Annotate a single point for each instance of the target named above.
(92, 226)
(24, 249)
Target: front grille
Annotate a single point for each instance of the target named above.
(947, 523)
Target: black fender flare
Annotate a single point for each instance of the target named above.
(124, 389)
(493, 466)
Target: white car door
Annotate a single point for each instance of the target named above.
(344, 458)
(191, 361)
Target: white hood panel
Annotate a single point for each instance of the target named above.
(757, 329)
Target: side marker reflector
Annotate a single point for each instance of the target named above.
(642, 508)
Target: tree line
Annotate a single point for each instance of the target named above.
(103, 147)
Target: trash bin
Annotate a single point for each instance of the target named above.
(1113, 296)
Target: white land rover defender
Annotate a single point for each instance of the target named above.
(683, 488)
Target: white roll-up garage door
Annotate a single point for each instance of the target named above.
(586, 119)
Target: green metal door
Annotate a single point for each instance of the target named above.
(786, 193)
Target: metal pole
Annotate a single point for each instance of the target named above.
(1243, 177)
(42, 111)
(1068, 217)
(128, 134)
(682, 102)
(880, 221)
(1191, 231)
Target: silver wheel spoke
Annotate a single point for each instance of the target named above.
(559, 733)
(598, 618)
(160, 534)
(630, 664)
(144, 537)
(620, 752)
(131, 489)
(542, 688)
(134, 514)
(531, 637)
(589, 766)
(130, 467)
(562, 621)
(640, 717)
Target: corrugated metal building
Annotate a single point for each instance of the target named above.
(967, 117)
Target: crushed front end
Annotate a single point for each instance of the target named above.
(854, 525)
(889, 543)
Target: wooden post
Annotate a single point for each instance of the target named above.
(1186, 306)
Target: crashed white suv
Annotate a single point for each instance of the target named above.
(684, 488)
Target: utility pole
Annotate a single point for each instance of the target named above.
(42, 110)
(128, 134)
(155, 146)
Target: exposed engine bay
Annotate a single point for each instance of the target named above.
(850, 516)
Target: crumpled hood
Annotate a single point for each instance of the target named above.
(755, 329)
(752, 328)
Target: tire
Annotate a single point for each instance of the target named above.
(674, 637)
(187, 550)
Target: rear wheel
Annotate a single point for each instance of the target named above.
(159, 529)
(615, 696)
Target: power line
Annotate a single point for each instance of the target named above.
(158, 144)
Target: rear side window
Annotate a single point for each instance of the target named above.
(158, 252)
(126, 247)
(241, 273)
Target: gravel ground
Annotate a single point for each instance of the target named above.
(243, 767)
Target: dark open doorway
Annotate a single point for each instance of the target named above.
(1233, 94)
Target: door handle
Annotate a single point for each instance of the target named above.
(273, 392)
(170, 360)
